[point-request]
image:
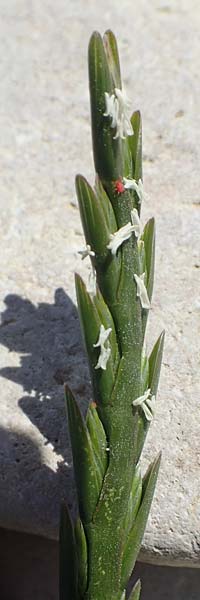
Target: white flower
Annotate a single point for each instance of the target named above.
(124, 126)
(92, 274)
(125, 232)
(103, 358)
(147, 404)
(103, 336)
(142, 291)
(132, 184)
(104, 350)
(117, 238)
(136, 222)
(117, 106)
(86, 252)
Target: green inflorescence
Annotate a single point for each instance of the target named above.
(98, 552)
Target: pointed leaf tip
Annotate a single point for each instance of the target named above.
(135, 594)
(148, 237)
(67, 559)
(110, 44)
(135, 144)
(87, 476)
(155, 362)
(81, 549)
(95, 36)
(135, 536)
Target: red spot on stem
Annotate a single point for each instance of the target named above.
(119, 186)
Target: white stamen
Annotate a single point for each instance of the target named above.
(103, 336)
(117, 238)
(147, 404)
(104, 351)
(136, 222)
(86, 252)
(103, 358)
(117, 106)
(132, 184)
(142, 291)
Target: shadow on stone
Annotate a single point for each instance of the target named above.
(48, 340)
(25, 483)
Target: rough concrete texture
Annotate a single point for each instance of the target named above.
(45, 140)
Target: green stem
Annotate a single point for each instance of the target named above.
(106, 532)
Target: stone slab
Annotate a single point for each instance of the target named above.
(45, 141)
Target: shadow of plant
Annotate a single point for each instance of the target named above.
(25, 482)
(47, 338)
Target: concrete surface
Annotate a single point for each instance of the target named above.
(30, 570)
(45, 140)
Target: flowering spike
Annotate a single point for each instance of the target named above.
(114, 500)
